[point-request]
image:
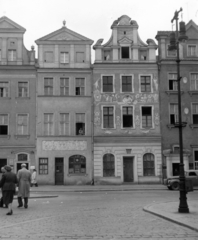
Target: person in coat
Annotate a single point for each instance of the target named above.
(33, 180)
(24, 183)
(8, 185)
(1, 200)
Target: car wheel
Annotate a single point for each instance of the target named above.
(169, 188)
(175, 186)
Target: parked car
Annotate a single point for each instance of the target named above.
(173, 182)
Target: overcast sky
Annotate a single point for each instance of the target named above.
(93, 18)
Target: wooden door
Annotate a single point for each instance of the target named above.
(128, 169)
(59, 176)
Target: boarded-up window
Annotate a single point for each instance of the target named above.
(49, 57)
(80, 57)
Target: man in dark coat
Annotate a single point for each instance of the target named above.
(24, 180)
(1, 200)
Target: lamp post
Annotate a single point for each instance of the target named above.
(174, 45)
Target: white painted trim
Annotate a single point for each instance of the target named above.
(151, 78)
(132, 82)
(28, 119)
(106, 75)
(102, 123)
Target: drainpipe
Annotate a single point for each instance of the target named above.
(92, 127)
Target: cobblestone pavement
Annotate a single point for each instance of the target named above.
(108, 216)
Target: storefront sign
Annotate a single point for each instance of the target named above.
(64, 145)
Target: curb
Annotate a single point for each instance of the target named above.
(34, 197)
(146, 209)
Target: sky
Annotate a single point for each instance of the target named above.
(93, 18)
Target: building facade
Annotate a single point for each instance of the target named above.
(127, 138)
(64, 102)
(17, 96)
(169, 100)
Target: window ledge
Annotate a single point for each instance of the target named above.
(176, 125)
(22, 136)
(172, 92)
(5, 136)
(193, 125)
(77, 174)
(193, 92)
(170, 126)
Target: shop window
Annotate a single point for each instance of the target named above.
(77, 164)
(22, 157)
(125, 52)
(108, 165)
(3, 124)
(43, 166)
(148, 164)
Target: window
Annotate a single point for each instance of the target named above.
(48, 86)
(22, 157)
(22, 124)
(64, 57)
(127, 116)
(149, 164)
(108, 117)
(107, 82)
(49, 57)
(107, 55)
(126, 84)
(80, 124)
(172, 81)
(3, 162)
(194, 81)
(195, 113)
(22, 89)
(146, 117)
(11, 55)
(173, 113)
(77, 164)
(143, 55)
(196, 159)
(43, 166)
(108, 165)
(192, 50)
(64, 123)
(64, 86)
(3, 124)
(48, 124)
(125, 52)
(145, 84)
(80, 57)
(80, 86)
(4, 89)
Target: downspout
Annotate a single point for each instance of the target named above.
(92, 127)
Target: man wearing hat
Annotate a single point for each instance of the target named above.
(24, 180)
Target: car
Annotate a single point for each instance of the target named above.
(172, 183)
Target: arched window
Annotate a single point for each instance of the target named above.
(22, 157)
(149, 164)
(108, 165)
(77, 164)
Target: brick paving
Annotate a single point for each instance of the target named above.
(109, 216)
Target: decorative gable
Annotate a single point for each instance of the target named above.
(7, 24)
(124, 20)
(125, 40)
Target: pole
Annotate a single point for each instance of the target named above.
(183, 206)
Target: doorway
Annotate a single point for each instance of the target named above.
(175, 169)
(128, 169)
(18, 166)
(59, 171)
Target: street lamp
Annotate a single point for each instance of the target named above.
(175, 38)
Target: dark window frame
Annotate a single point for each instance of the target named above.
(147, 118)
(145, 84)
(127, 117)
(108, 165)
(127, 84)
(43, 166)
(149, 164)
(107, 84)
(77, 164)
(108, 117)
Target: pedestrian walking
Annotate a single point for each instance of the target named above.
(8, 185)
(1, 200)
(33, 178)
(24, 180)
